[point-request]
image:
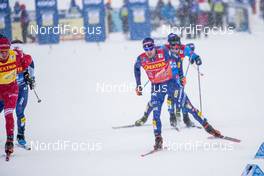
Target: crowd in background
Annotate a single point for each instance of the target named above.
(206, 13)
(262, 8)
(21, 15)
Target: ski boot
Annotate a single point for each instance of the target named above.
(173, 121)
(21, 139)
(209, 129)
(187, 120)
(141, 121)
(9, 146)
(158, 142)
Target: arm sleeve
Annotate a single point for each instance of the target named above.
(31, 70)
(23, 61)
(188, 51)
(137, 71)
(166, 53)
(26, 61)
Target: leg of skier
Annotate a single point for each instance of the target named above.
(157, 99)
(20, 109)
(147, 112)
(184, 102)
(171, 102)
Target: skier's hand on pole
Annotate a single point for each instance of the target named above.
(139, 90)
(183, 81)
(30, 81)
(196, 59)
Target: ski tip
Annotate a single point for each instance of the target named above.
(225, 138)
(199, 127)
(237, 140)
(24, 147)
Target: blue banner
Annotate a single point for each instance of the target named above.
(47, 21)
(5, 20)
(138, 19)
(94, 20)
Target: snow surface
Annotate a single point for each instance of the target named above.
(73, 110)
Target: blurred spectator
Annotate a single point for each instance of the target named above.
(24, 20)
(16, 11)
(109, 10)
(168, 13)
(158, 9)
(253, 6)
(193, 16)
(218, 12)
(74, 8)
(182, 14)
(124, 17)
(262, 8)
(203, 18)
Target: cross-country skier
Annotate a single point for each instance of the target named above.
(184, 50)
(160, 71)
(179, 97)
(9, 62)
(25, 79)
(176, 47)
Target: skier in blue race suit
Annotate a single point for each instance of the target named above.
(160, 71)
(185, 50)
(179, 98)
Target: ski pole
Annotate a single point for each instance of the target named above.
(199, 82)
(146, 84)
(186, 72)
(39, 100)
(200, 72)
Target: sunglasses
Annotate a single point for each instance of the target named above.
(148, 47)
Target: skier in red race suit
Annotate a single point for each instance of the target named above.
(9, 62)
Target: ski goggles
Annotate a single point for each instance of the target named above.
(148, 47)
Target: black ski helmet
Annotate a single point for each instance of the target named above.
(174, 39)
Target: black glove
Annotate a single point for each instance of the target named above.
(30, 80)
(196, 59)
